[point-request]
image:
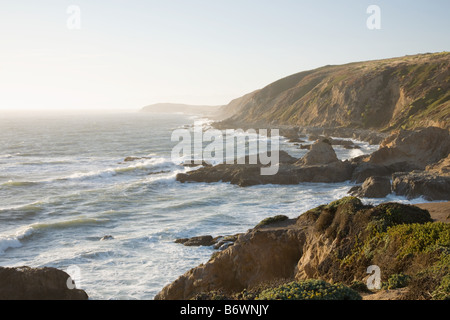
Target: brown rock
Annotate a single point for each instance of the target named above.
(197, 241)
(310, 246)
(321, 152)
(416, 184)
(373, 187)
(417, 148)
(25, 283)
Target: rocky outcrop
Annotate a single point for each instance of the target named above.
(417, 161)
(25, 283)
(334, 242)
(198, 241)
(428, 149)
(373, 187)
(321, 152)
(413, 149)
(320, 164)
(424, 184)
(218, 243)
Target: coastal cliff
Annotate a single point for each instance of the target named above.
(335, 243)
(383, 95)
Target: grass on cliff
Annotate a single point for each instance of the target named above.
(310, 290)
(411, 250)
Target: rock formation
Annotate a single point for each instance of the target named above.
(334, 242)
(373, 187)
(320, 164)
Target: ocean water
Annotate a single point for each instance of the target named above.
(64, 185)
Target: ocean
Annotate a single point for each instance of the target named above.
(64, 185)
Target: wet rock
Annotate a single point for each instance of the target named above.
(193, 165)
(321, 152)
(130, 159)
(107, 237)
(197, 241)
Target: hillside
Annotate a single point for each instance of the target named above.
(383, 95)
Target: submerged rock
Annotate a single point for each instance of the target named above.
(107, 237)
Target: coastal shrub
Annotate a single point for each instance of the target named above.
(442, 292)
(359, 286)
(353, 200)
(391, 214)
(416, 238)
(396, 281)
(310, 290)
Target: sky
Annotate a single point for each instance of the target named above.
(123, 55)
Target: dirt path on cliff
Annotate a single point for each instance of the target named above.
(439, 211)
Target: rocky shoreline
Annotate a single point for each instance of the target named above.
(417, 162)
(338, 241)
(335, 243)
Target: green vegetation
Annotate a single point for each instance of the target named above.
(310, 290)
(442, 292)
(335, 204)
(395, 281)
(271, 220)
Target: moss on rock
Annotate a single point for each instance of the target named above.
(310, 290)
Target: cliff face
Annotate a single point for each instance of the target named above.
(336, 243)
(406, 92)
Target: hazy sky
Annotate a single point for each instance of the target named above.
(130, 53)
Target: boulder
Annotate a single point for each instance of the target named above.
(441, 167)
(424, 184)
(321, 152)
(25, 283)
(417, 148)
(199, 241)
(373, 187)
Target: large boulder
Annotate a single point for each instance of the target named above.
(432, 184)
(25, 283)
(321, 152)
(373, 187)
(416, 148)
(424, 184)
